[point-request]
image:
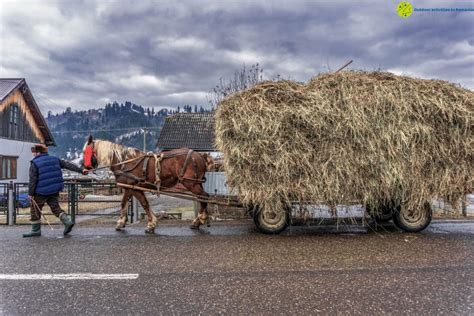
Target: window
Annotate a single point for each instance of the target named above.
(8, 167)
(13, 126)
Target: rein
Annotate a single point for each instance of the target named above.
(117, 164)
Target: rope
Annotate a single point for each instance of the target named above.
(116, 164)
(37, 209)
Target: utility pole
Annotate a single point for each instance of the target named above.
(144, 139)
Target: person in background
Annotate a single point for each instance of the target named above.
(46, 181)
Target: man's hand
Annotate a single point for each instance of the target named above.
(85, 172)
(30, 197)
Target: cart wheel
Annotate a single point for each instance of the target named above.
(270, 221)
(413, 222)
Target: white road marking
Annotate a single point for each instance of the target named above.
(70, 276)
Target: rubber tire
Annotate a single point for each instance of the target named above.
(268, 228)
(401, 222)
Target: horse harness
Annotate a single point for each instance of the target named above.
(158, 158)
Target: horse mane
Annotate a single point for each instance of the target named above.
(105, 150)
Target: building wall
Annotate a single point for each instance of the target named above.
(13, 125)
(23, 151)
(216, 184)
(29, 128)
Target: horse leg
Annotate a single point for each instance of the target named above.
(202, 217)
(123, 210)
(150, 227)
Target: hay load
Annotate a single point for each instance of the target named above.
(351, 137)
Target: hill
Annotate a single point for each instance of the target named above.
(123, 123)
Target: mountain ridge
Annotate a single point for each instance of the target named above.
(124, 123)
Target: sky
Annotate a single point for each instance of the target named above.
(84, 54)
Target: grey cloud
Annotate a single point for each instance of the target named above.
(167, 53)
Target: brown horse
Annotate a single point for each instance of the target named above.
(137, 172)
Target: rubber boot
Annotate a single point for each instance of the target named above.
(68, 224)
(35, 231)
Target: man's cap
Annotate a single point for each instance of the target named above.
(39, 148)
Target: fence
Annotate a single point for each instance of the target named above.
(22, 203)
(94, 200)
(91, 201)
(4, 199)
(83, 200)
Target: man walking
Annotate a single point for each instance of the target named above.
(46, 181)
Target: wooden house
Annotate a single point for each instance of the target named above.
(21, 126)
(196, 131)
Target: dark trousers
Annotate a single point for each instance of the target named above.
(53, 202)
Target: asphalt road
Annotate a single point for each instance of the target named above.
(230, 269)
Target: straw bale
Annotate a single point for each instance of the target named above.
(350, 137)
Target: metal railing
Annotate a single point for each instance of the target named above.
(87, 200)
(22, 203)
(4, 199)
(98, 201)
(94, 199)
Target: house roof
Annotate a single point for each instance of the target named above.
(8, 86)
(191, 130)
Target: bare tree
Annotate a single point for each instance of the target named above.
(243, 79)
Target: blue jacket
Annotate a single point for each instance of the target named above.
(50, 177)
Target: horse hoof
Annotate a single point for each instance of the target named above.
(149, 231)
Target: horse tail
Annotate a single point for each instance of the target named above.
(208, 160)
